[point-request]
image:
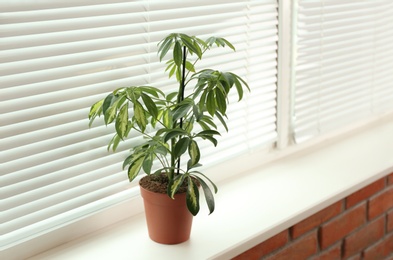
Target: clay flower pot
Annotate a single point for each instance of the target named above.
(168, 220)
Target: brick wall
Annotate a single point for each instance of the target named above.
(358, 227)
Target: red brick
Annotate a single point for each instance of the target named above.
(381, 250)
(365, 237)
(316, 219)
(355, 257)
(333, 253)
(339, 227)
(365, 193)
(299, 249)
(380, 203)
(265, 247)
(390, 179)
(390, 221)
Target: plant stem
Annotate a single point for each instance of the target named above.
(181, 94)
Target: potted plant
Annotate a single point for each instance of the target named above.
(172, 124)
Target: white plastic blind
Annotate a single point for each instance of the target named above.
(59, 57)
(344, 63)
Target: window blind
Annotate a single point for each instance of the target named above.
(59, 57)
(344, 64)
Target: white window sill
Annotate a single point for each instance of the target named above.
(254, 206)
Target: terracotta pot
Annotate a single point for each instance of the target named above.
(168, 220)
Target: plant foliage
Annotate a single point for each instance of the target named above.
(173, 117)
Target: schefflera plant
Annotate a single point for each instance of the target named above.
(173, 117)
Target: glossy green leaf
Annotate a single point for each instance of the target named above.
(110, 114)
(135, 167)
(171, 96)
(114, 142)
(211, 103)
(239, 89)
(208, 120)
(196, 112)
(178, 54)
(148, 163)
(211, 182)
(181, 111)
(173, 71)
(164, 47)
(222, 120)
(181, 146)
(229, 44)
(150, 105)
(167, 118)
(107, 102)
(152, 91)
(190, 66)
(193, 151)
(122, 122)
(208, 195)
(211, 139)
(208, 132)
(175, 184)
(140, 116)
(192, 197)
(174, 133)
(202, 100)
(221, 101)
(95, 109)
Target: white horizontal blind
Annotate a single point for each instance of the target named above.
(344, 63)
(59, 57)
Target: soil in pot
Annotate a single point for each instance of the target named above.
(168, 220)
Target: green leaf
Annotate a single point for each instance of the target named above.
(239, 88)
(164, 47)
(122, 121)
(208, 132)
(181, 146)
(175, 184)
(208, 120)
(167, 118)
(174, 133)
(181, 111)
(108, 101)
(196, 112)
(193, 151)
(190, 66)
(128, 160)
(192, 197)
(110, 114)
(95, 109)
(202, 100)
(208, 195)
(135, 167)
(148, 163)
(229, 44)
(211, 182)
(152, 91)
(114, 142)
(211, 103)
(211, 139)
(192, 46)
(203, 125)
(171, 96)
(150, 105)
(221, 101)
(140, 116)
(222, 120)
(178, 54)
(173, 70)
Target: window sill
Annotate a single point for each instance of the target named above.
(254, 206)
